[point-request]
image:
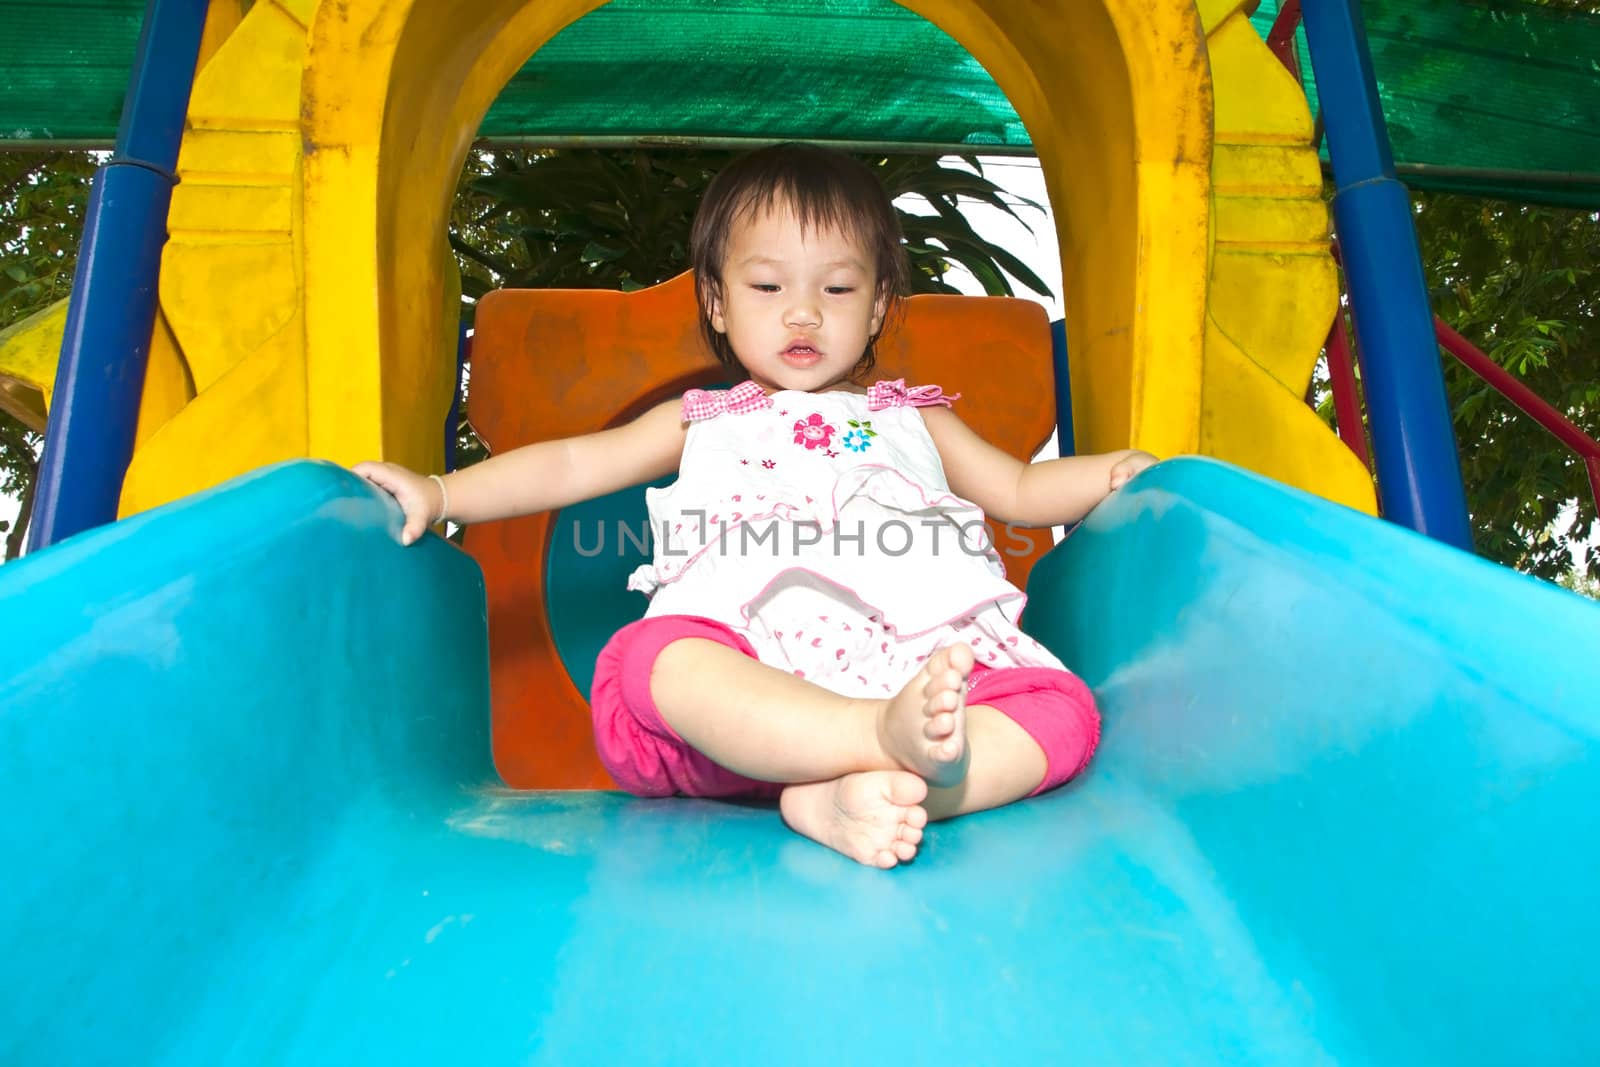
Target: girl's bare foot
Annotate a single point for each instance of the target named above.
(924, 726)
(874, 817)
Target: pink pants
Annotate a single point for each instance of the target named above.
(647, 758)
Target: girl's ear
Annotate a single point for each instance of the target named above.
(880, 308)
(714, 310)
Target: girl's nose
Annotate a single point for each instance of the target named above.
(802, 314)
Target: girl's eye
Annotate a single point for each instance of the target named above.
(763, 287)
(840, 290)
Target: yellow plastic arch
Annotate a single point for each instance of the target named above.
(311, 297)
(28, 364)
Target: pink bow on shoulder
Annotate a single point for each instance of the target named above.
(700, 404)
(894, 394)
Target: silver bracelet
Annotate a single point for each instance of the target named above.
(444, 499)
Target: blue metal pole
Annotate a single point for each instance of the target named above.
(100, 377)
(1419, 472)
(453, 417)
(1066, 444)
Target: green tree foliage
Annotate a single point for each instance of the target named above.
(620, 219)
(42, 200)
(1523, 284)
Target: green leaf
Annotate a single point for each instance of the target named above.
(594, 252)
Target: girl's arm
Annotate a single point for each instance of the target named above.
(539, 477)
(1051, 493)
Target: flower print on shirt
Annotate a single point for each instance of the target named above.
(859, 437)
(814, 431)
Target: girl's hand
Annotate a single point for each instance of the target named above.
(417, 495)
(1128, 466)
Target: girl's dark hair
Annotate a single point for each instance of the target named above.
(827, 190)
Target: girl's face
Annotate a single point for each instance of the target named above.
(797, 307)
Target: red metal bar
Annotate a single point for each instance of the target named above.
(1281, 39)
(1342, 377)
(1526, 399)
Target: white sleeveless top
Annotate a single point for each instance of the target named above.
(820, 527)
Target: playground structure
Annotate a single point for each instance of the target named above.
(1179, 347)
(1212, 879)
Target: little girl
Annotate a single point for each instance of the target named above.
(824, 624)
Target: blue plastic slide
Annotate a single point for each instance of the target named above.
(1346, 809)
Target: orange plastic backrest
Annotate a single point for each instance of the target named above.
(550, 363)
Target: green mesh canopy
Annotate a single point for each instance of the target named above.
(64, 68)
(1492, 96)
(819, 70)
(1500, 99)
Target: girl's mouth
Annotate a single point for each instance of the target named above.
(801, 355)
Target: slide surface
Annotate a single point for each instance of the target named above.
(1345, 809)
